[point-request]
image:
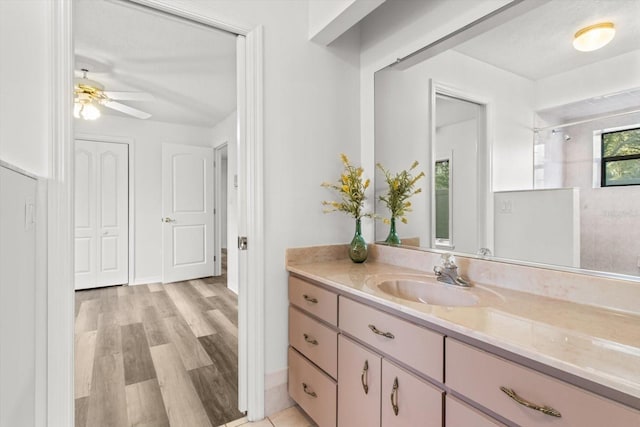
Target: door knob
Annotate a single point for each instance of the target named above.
(167, 219)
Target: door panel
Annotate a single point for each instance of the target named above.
(192, 241)
(102, 214)
(189, 185)
(83, 256)
(113, 197)
(109, 189)
(187, 204)
(109, 259)
(85, 216)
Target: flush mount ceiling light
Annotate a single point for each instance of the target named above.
(594, 36)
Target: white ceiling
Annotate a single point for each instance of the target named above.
(625, 101)
(538, 44)
(190, 69)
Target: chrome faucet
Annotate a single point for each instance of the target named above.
(448, 272)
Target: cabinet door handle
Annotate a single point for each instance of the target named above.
(363, 378)
(379, 332)
(310, 299)
(310, 340)
(544, 409)
(305, 387)
(394, 397)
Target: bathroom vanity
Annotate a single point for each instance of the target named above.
(363, 352)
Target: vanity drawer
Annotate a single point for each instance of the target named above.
(312, 389)
(315, 300)
(316, 341)
(411, 344)
(458, 414)
(479, 375)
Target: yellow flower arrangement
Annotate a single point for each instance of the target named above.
(351, 188)
(401, 188)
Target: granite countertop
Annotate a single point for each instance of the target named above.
(598, 344)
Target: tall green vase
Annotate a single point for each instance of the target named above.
(358, 248)
(392, 238)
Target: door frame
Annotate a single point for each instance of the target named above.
(131, 278)
(218, 206)
(60, 209)
(484, 160)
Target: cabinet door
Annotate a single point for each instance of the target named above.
(358, 385)
(407, 400)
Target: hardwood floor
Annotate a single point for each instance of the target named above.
(157, 355)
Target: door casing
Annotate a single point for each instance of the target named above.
(59, 251)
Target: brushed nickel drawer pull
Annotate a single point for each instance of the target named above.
(394, 397)
(310, 299)
(310, 340)
(544, 409)
(305, 387)
(363, 378)
(379, 332)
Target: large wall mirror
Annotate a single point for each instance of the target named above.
(531, 147)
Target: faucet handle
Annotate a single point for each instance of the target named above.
(448, 260)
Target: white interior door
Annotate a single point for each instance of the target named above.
(101, 214)
(187, 206)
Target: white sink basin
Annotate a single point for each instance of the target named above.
(427, 290)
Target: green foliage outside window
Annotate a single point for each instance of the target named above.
(621, 158)
(442, 175)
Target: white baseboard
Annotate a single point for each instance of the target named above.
(146, 280)
(276, 393)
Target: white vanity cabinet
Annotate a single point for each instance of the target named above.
(338, 381)
(351, 364)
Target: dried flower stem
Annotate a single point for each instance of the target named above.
(351, 189)
(401, 188)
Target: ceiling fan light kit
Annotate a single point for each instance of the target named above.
(87, 111)
(88, 94)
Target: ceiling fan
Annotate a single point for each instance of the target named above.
(89, 93)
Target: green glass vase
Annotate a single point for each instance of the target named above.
(358, 248)
(392, 238)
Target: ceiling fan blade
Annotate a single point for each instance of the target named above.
(130, 96)
(127, 110)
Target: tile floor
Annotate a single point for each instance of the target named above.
(290, 417)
